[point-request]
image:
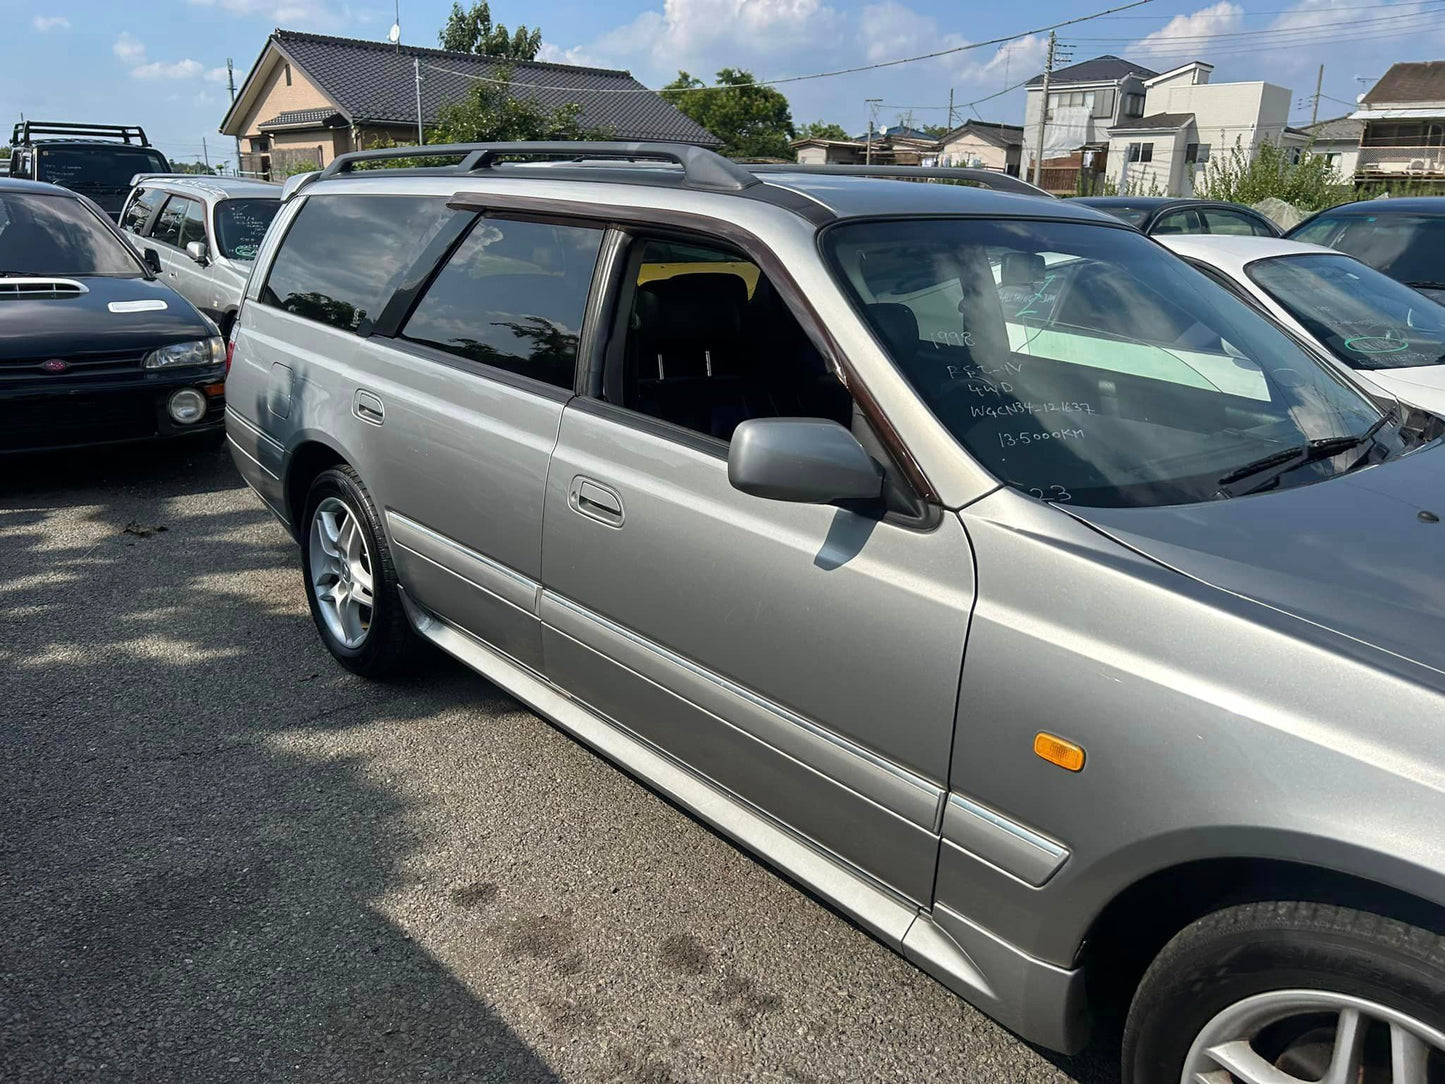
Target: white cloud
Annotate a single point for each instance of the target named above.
(45, 23)
(217, 75)
(159, 69)
(1182, 38)
(129, 48)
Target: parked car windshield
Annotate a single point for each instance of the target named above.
(241, 224)
(1084, 363)
(1409, 248)
(58, 235)
(96, 169)
(1368, 320)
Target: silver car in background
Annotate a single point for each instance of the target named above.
(1003, 579)
(201, 234)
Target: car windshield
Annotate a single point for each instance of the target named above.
(58, 235)
(1083, 362)
(96, 169)
(240, 225)
(1410, 248)
(1368, 320)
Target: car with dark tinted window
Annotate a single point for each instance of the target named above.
(205, 233)
(96, 160)
(94, 348)
(1404, 238)
(1011, 584)
(1165, 214)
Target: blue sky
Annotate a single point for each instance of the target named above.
(161, 63)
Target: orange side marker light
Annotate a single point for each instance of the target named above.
(1059, 751)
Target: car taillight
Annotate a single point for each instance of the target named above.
(230, 353)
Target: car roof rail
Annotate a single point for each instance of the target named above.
(701, 167)
(27, 129)
(987, 178)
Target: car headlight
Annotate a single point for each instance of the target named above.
(210, 351)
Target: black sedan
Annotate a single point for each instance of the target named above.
(1161, 214)
(1403, 238)
(94, 348)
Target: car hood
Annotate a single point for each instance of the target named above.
(1420, 385)
(113, 314)
(1358, 554)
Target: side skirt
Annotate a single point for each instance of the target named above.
(1056, 1020)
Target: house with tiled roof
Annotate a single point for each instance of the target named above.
(310, 97)
(1337, 140)
(1404, 124)
(1085, 100)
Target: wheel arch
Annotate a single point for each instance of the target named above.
(304, 462)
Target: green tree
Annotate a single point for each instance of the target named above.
(492, 113)
(191, 167)
(819, 129)
(472, 31)
(752, 121)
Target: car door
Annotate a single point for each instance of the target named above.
(190, 278)
(804, 657)
(470, 390)
(165, 236)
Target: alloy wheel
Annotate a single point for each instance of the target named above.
(340, 567)
(1314, 1037)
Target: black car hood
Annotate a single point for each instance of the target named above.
(1353, 554)
(62, 326)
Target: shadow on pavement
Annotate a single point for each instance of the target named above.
(186, 889)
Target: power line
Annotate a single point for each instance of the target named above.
(963, 105)
(1279, 32)
(1277, 11)
(1268, 46)
(802, 78)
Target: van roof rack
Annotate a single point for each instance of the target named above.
(27, 129)
(701, 167)
(987, 178)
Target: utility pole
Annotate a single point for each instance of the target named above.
(1319, 85)
(872, 104)
(950, 109)
(416, 68)
(1044, 109)
(231, 83)
(206, 154)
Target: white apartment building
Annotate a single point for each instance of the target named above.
(1186, 121)
(1085, 100)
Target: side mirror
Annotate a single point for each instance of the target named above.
(196, 250)
(807, 460)
(152, 260)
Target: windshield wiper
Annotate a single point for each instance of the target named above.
(1287, 459)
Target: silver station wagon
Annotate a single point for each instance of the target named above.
(998, 576)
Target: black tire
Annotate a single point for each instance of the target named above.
(390, 645)
(1254, 948)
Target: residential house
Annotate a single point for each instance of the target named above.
(1404, 118)
(983, 145)
(1187, 120)
(1085, 101)
(1338, 141)
(896, 146)
(310, 97)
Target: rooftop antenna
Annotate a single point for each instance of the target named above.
(394, 34)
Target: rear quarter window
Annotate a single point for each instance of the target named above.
(344, 255)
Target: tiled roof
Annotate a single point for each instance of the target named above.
(1102, 69)
(1163, 121)
(374, 82)
(1002, 135)
(1410, 82)
(1336, 128)
(299, 117)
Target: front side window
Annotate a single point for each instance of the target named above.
(1083, 363)
(172, 219)
(1217, 220)
(1366, 319)
(344, 255)
(512, 296)
(709, 343)
(241, 226)
(141, 208)
(58, 235)
(1182, 221)
(194, 226)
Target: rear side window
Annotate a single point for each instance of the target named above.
(173, 217)
(344, 254)
(512, 296)
(141, 208)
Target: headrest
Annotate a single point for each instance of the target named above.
(1021, 268)
(897, 326)
(695, 307)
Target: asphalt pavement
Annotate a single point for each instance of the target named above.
(223, 858)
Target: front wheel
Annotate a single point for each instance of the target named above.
(1290, 993)
(350, 582)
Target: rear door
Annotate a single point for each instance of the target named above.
(465, 382)
(805, 657)
(165, 236)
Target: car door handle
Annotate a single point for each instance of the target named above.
(368, 407)
(596, 501)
